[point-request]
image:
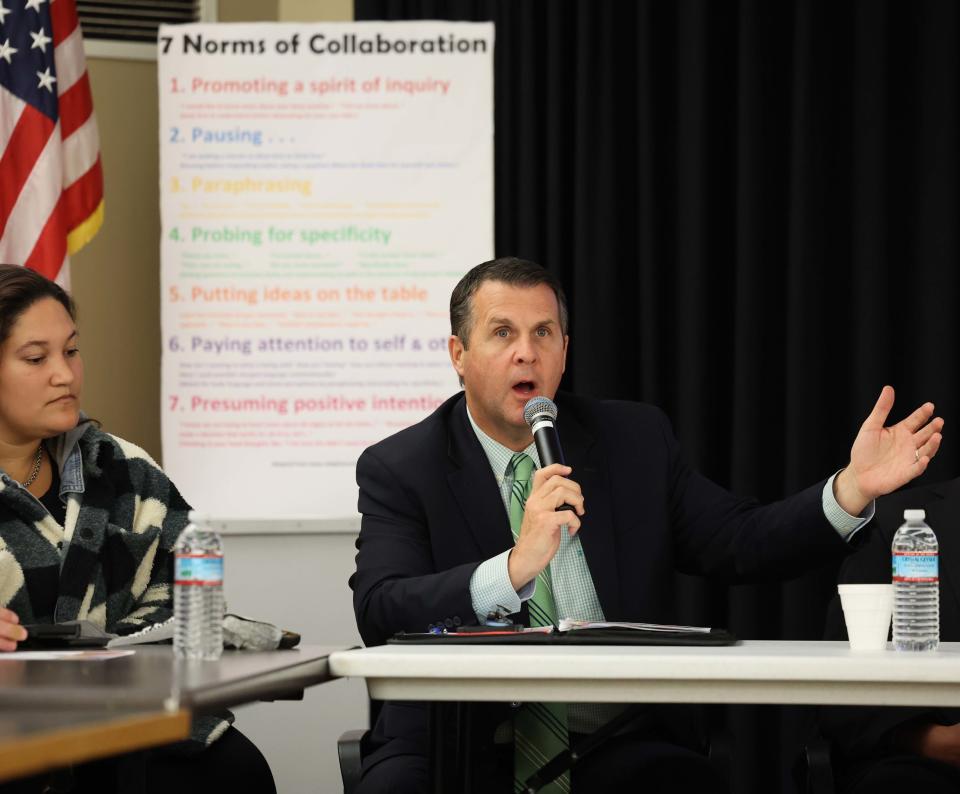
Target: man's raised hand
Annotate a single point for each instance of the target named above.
(884, 458)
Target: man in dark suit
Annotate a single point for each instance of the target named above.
(452, 528)
(893, 749)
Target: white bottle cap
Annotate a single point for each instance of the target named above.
(914, 515)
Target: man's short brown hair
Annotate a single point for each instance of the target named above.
(507, 270)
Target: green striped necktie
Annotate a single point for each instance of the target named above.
(539, 729)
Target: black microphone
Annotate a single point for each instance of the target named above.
(541, 413)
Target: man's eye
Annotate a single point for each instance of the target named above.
(503, 333)
(36, 360)
(543, 332)
(73, 351)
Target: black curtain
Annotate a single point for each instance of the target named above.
(753, 207)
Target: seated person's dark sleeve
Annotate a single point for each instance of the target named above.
(859, 733)
(398, 585)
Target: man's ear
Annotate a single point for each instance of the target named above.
(566, 347)
(456, 349)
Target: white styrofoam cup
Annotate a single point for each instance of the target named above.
(866, 611)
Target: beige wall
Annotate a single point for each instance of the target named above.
(116, 278)
(315, 10)
(247, 10)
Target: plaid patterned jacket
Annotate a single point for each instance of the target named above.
(112, 561)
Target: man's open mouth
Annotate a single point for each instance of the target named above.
(525, 388)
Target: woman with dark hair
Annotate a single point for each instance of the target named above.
(88, 524)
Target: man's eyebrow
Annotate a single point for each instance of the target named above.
(505, 321)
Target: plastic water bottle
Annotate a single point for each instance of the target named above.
(916, 585)
(198, 592)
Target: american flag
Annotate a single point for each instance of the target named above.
(51, 182)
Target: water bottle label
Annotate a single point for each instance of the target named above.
(916, 566)
(199, 569)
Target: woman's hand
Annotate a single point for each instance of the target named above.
(11, 632)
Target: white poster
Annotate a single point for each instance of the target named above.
(323, 187)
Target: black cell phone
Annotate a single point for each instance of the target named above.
(49, 635)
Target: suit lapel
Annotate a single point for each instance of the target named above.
(596, 530)
(475, 488)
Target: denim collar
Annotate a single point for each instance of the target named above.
(65, 452)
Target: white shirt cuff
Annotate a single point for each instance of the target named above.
(491, 591)
(845, 524)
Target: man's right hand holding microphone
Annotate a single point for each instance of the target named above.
(539, 537)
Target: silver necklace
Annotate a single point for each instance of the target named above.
(36, 468)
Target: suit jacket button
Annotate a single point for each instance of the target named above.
(448, 623)
(456, 620)
(86, 533)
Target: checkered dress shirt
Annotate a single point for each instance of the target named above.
(573, 589)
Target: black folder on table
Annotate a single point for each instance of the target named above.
(481, 635)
